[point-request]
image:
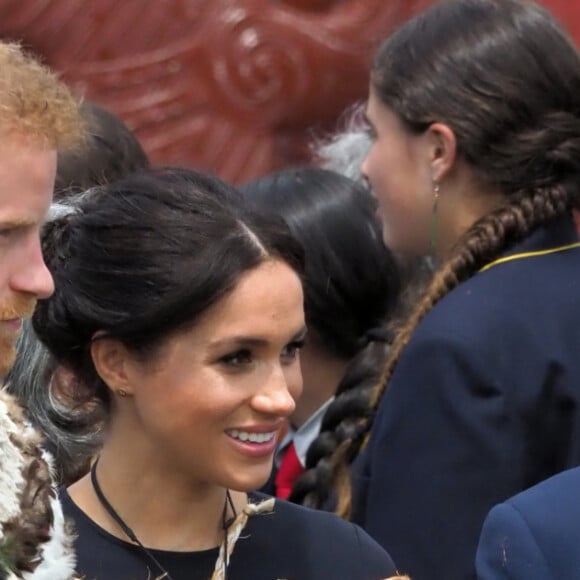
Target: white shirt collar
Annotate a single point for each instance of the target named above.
(304, 435)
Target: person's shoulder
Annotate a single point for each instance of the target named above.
(503, 302)
(556, 497)
(476, 304)
(325, 541)
(465, 330)
(289, 515)
(507, 292)
(325, 525)
(534, 534)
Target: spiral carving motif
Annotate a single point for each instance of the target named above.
(258, 73)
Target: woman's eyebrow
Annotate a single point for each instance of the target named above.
(255, 341)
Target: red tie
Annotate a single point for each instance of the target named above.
(289, 470)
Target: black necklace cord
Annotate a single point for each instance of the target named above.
(226, 523)
(126, 529)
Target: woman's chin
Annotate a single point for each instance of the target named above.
(251, 481)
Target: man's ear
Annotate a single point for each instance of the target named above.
(442, 145)
(111, 360)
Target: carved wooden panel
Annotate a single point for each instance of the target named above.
(230, 86)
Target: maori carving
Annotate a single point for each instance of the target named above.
(231, 86)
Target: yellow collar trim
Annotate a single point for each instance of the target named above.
(530, 255)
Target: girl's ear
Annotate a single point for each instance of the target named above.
(442, 150)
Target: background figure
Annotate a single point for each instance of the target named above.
(38, 117)
(351, 285)
(345, 150)
(111, 151)
(180, 315)
(478, 162)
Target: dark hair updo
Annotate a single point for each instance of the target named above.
(143, 258)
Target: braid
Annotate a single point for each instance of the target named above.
(483, 242)
(341, 422)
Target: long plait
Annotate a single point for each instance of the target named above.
(341, 422)
(481, 244)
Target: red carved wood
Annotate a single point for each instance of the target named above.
(230, 86)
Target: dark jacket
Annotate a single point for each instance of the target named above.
(484, 403)
(535, 535)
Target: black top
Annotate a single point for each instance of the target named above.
(290, 543)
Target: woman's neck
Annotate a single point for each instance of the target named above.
(460, 207)
(163, 509)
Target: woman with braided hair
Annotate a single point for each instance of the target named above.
(474, 110)
(180, 317)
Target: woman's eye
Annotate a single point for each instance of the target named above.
(291, 350)
(238, 358)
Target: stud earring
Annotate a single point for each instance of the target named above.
(122, 393)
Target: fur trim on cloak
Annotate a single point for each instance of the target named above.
(35, 542)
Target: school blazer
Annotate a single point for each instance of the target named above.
(535, 535)
(484, 403)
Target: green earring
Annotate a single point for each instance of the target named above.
(434, 224)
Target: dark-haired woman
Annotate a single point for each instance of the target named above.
(181, 319)
(475, 118)
(351, 284)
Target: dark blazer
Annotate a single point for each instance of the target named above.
(535, 535)
(484, 403)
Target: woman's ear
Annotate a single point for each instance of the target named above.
(442, 150)
(111, 360)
